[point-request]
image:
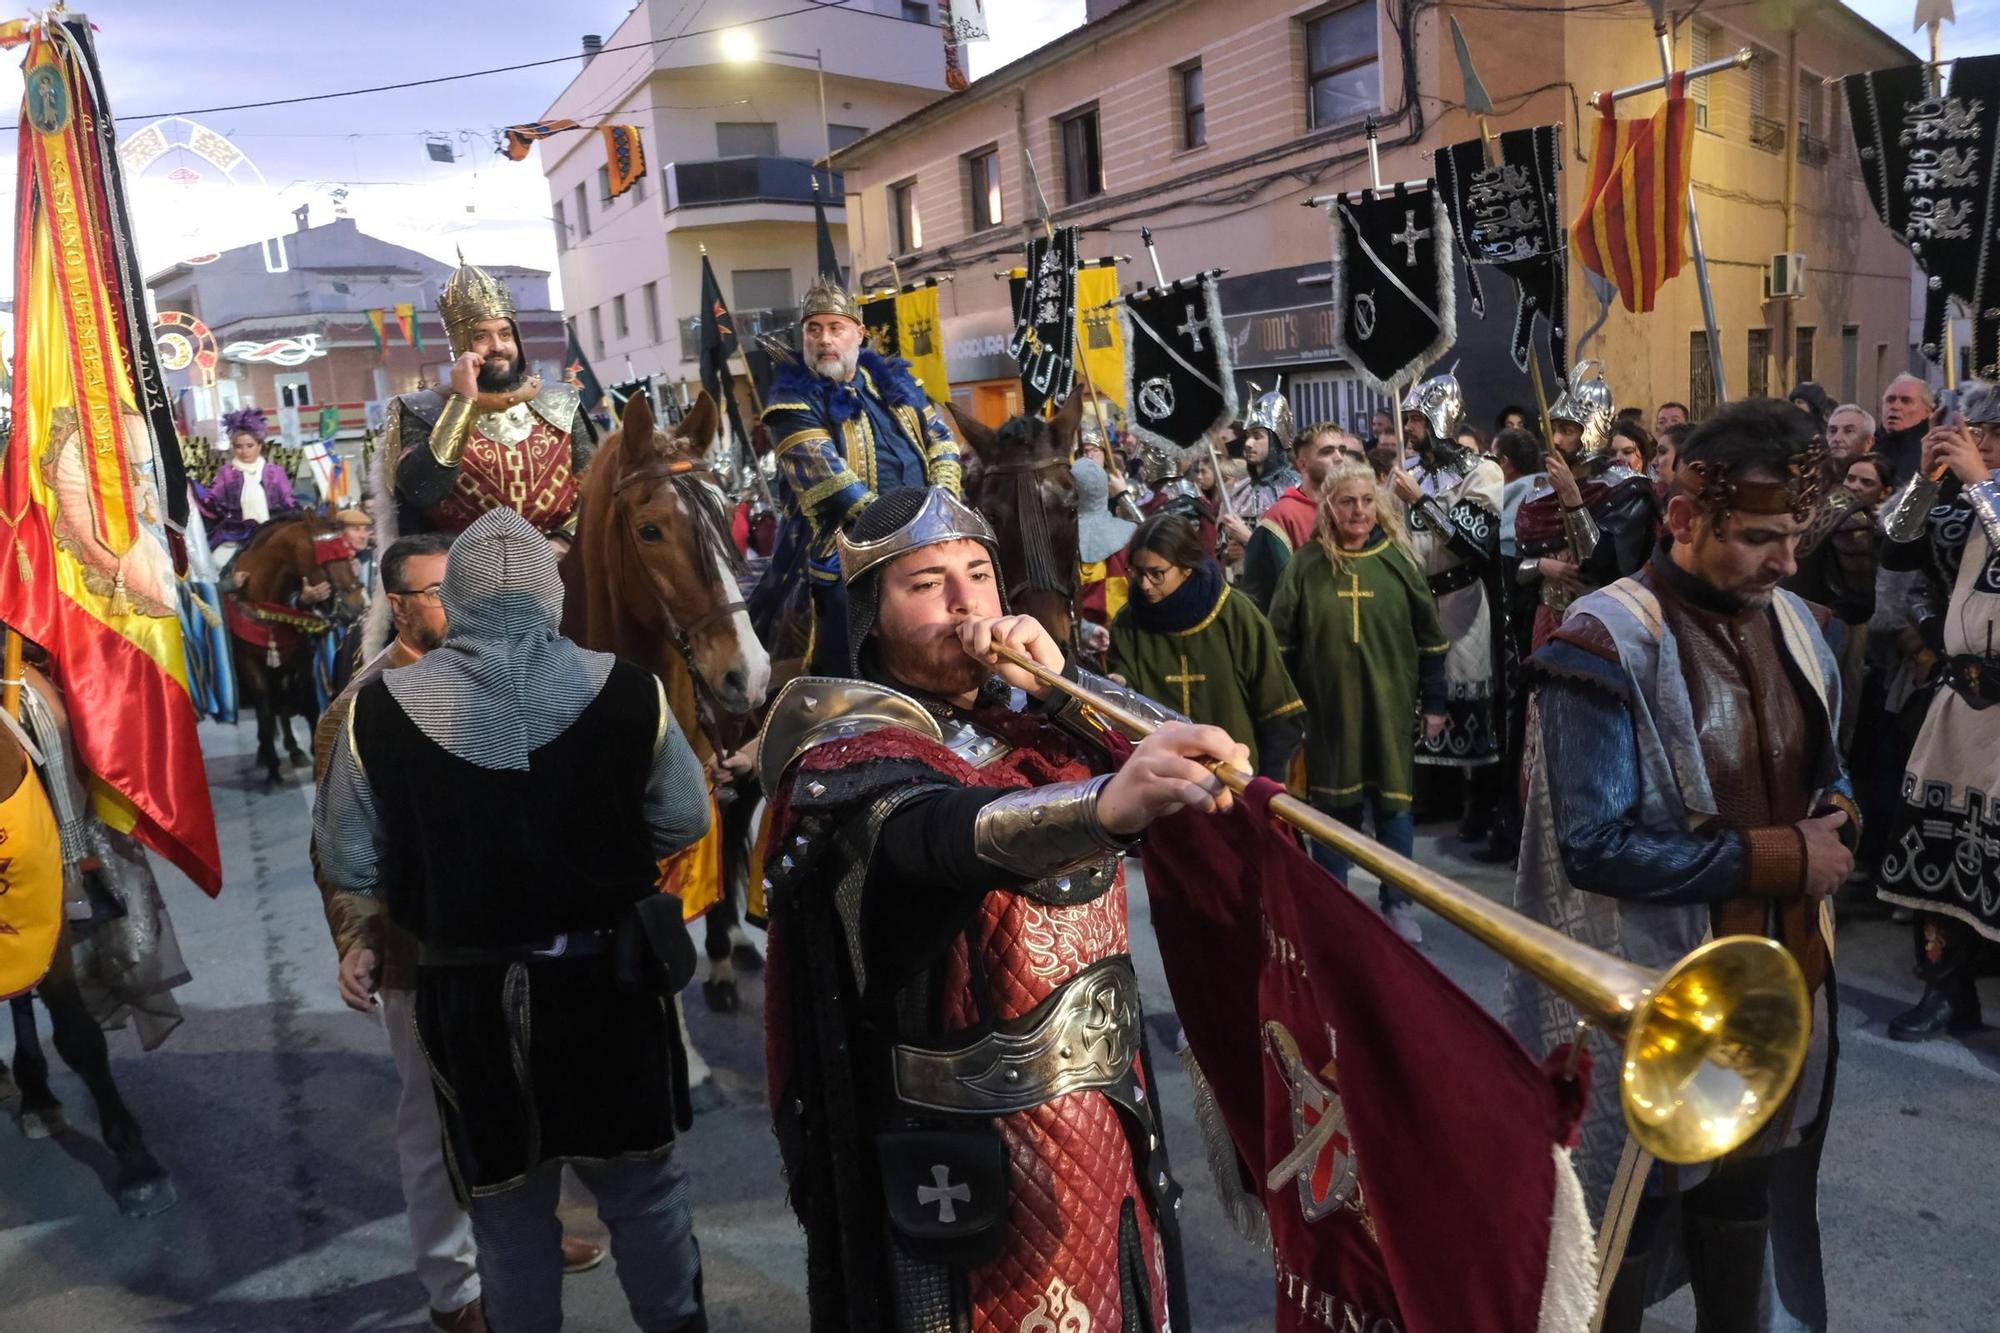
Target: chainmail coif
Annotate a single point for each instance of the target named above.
(505, 682)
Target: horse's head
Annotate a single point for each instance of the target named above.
(659, 559)
(1027, 493)
(288, 554)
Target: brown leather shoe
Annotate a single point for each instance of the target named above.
(580, 1255)
(469, 1319)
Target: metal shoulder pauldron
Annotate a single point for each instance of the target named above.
(814, 709)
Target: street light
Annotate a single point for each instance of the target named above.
(739, 47)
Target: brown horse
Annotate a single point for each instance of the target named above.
(275, 634)
(1026, 492)
(661, 579)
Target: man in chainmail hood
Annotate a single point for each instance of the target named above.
(507, 796)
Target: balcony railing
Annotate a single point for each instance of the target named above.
(748, 180)
(1813, 151)
(1768, 135)
(749, 325)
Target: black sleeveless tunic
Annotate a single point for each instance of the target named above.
(542, 1058)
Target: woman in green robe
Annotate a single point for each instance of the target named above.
(1186, 639)
(1359, 631)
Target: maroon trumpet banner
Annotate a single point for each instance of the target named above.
(1417, 1139)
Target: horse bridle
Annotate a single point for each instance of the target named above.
(1041, 574)
(679, 472)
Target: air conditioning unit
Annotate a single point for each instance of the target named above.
(1785, 278)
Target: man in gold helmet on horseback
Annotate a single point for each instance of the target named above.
(493, 436)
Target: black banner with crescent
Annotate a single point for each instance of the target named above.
(1178, 381)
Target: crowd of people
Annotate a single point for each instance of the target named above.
(1641, 659)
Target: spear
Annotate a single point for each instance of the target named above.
(1933, 14)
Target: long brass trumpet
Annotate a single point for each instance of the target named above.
(1712, 1044)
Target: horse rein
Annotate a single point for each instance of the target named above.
(681, 636)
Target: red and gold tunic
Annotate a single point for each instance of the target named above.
(523, 459)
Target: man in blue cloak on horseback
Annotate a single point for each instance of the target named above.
(847, 424)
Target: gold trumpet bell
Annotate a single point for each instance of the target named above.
(1713, 1050)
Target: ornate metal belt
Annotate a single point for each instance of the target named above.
(1086, 1035)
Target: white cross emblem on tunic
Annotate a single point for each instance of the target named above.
(1409, 236)
(942, 1194)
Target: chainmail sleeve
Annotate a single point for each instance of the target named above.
(677, 812)
(347, 827)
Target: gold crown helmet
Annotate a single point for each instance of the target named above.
(471, 296)
(826, 296)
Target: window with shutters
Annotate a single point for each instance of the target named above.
(1701, 377)
(1343, 65)
(1767, 106)
(1193, 99)
(746, 138)
(982, 179)
(1804, 345)
(903, 216)
(1758, 344)
(1703, 39)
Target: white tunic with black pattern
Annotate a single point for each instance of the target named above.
(1471, 734)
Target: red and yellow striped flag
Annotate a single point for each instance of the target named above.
(1630, 230)
(85, 569)
(406, 320)
(376, 320)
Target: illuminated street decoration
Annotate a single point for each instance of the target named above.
(278, 351)
(195, 193)
(185, 343)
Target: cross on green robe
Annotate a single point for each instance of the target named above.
(1224, 671)
(1357, 641)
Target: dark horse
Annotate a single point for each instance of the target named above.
(274, 633)
(140, 1184)
(1026, 492)
(661, 579)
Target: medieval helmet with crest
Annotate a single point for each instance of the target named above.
(1587, 401)
(900, 520)
(471, 296)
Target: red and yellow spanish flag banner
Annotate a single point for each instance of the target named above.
(1634, 218)
(624, 157)
(86, 571)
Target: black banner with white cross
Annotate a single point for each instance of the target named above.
(1044, 341)
(1393, 295)
(1505, 200)
(1179, 384)
(1927, 160)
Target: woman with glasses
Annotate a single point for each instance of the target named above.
(1359, 631)
(1188, 641)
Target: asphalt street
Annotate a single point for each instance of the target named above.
(272, 1105)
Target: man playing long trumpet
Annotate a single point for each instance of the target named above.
(1684, 780)
(961, 1087)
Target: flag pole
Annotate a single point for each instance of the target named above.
(1715, 369)
(1395, 389)
(10, 674)
(1931, 14)
(1082, 363)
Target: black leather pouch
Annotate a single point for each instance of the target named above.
(653, 954)
(946, 1192)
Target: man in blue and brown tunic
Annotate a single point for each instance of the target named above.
(846, 425)
(1684, 781)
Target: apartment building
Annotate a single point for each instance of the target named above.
(728, 98)
(1214, 123)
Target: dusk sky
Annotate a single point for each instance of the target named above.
(160, 59)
